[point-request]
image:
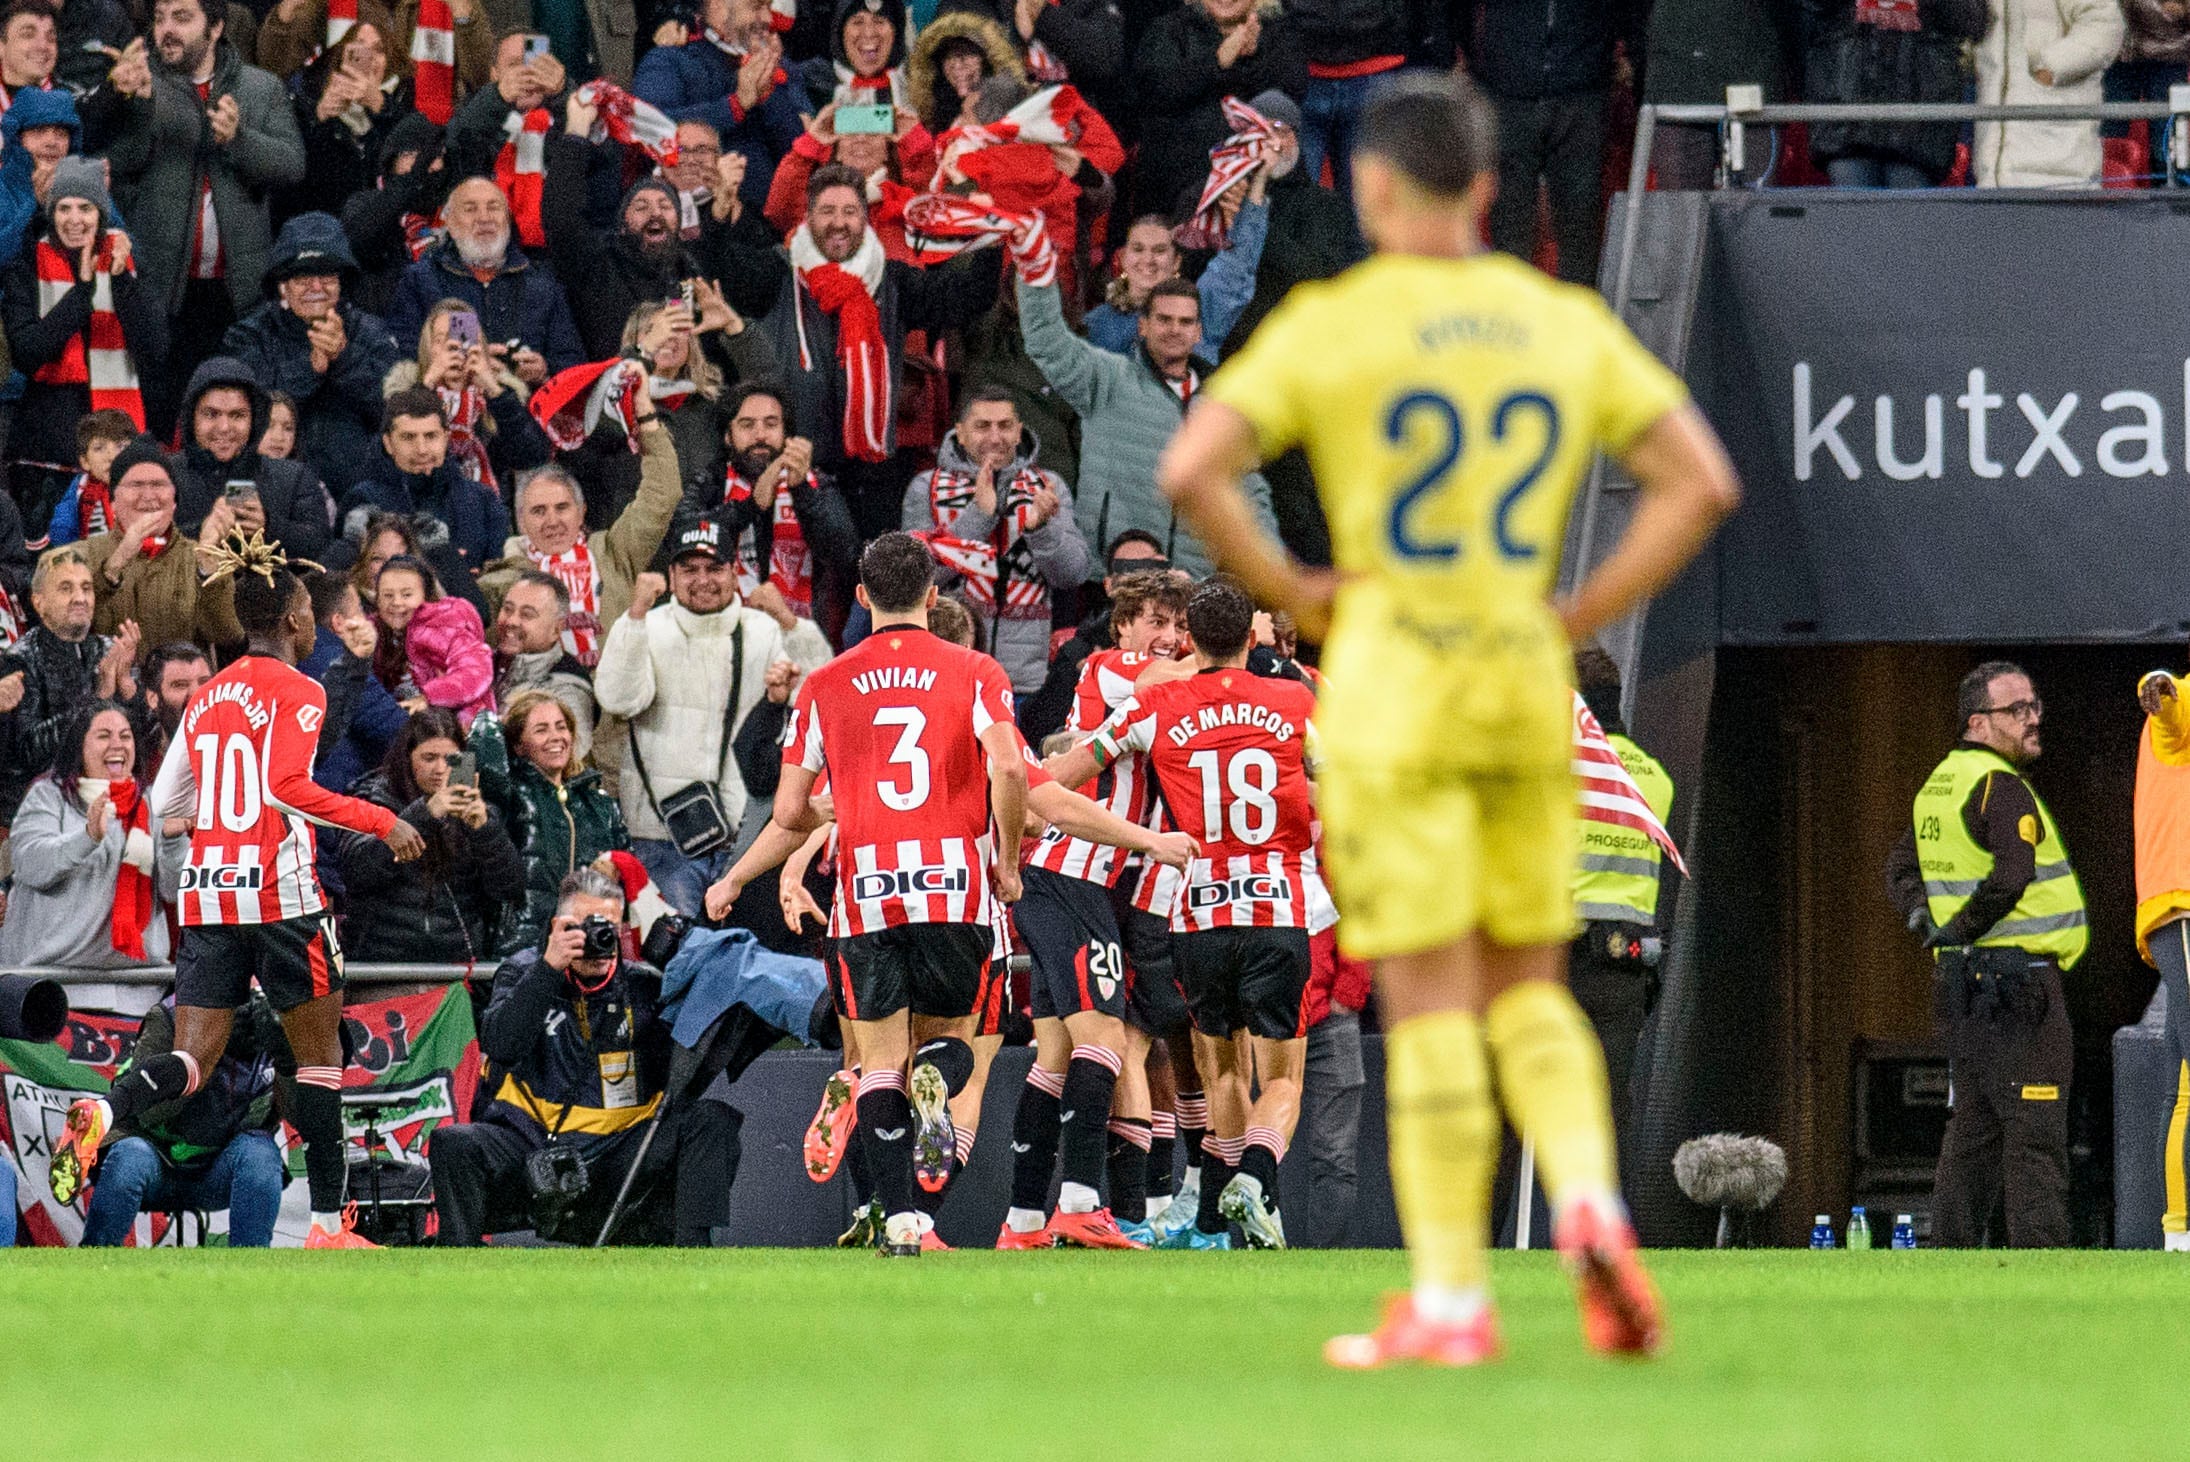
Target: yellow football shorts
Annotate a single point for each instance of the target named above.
(1418, 861)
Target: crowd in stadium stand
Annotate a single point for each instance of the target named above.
(391, 286)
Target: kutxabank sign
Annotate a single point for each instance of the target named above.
(1958, 417)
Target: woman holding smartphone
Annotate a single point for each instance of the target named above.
(442, 908)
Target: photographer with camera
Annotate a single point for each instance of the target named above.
(577, 1056)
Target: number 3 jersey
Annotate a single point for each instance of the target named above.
(1229, 752)
(896, 722)
(240, 769)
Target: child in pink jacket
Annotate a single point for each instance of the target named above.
(433, 649)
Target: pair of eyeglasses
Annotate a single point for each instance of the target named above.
(2029, 710)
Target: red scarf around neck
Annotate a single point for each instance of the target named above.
(862, 352)
(132, 886)
(106, 368)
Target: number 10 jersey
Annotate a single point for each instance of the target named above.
(240, 771)
(896, 723)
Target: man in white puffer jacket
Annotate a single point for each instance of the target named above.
(668, 670)
(2047, 52)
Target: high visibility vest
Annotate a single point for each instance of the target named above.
(1616, 879)
(2050, 918)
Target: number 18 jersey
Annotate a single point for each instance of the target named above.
(896, 723)
(240, 770)
(1228, 749)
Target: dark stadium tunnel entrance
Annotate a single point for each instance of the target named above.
(1799, 967)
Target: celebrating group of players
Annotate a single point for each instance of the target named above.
(1450, 403)
(1193, 778)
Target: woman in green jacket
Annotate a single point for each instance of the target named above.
(565, 816)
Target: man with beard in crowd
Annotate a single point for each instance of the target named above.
(842, 303)
(170, 676)
(524, 315)
(789, 523)
(202, 141)
(726, 74)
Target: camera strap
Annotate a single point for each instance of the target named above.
(729, 726)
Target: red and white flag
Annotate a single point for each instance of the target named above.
(1055, 116)
(1608, 793)
(1253, 139)
(939, 225)
(570, 404)
(433, 59)
(520, 170)
(341, 16)
(630, 121)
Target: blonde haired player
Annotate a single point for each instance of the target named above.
(1450, 401)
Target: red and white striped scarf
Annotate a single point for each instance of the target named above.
(940, 225)
(576, 571)
(847, 292)
(790, 561)
(630, 121)
(421, 233)
(520, 171)
(433, 60)
(570, 404)
(465, 408)
(1055, 116)
(1253, 139)
(106, 368)
(341, 18)
(1004, 554)
(1608, 794)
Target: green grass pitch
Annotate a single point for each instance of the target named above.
(644, 1355)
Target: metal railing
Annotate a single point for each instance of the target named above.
(354, 973)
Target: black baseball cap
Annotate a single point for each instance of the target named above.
(705, 536)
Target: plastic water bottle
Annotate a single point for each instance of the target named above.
(1821, 1232)
(1859, 1228)
(1904, 1231)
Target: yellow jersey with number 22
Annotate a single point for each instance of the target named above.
(1451, 408)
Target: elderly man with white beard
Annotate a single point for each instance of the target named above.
(523, 312)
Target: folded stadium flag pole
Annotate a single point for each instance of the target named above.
(1608, 793)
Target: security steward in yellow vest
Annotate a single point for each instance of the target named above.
(1613, 965)
(1984, 879)
(576, 1059)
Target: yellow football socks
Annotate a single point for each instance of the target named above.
(1444, 1143)
(1551, 1077)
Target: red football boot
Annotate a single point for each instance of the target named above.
(1095, 1230)
(1406, 1336)
(1620, 1310)
(1039, 1238)
(831, 1129)
(346, 1237)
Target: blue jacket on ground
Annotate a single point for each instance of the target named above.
(695, 82)
(524, 301)
(718, 968)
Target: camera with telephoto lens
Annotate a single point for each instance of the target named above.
(603, 941)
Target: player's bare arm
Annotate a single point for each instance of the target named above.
(1201, 472)
(1007, 803)
(1687, 486)
(775, 843)
(795, 812)
(1077, 767)
(1061, 807)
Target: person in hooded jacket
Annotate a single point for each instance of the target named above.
(956, 52)
(1080, 41)
(392, 223)
(36, 132)
(868, 42)
(224, 413)
(460, 525)
(325, 354)
(442, 908)
(49, 298)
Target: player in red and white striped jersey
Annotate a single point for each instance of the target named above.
(240, 770)
(917, 738)
(1087, 1063)
(1229, 753)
